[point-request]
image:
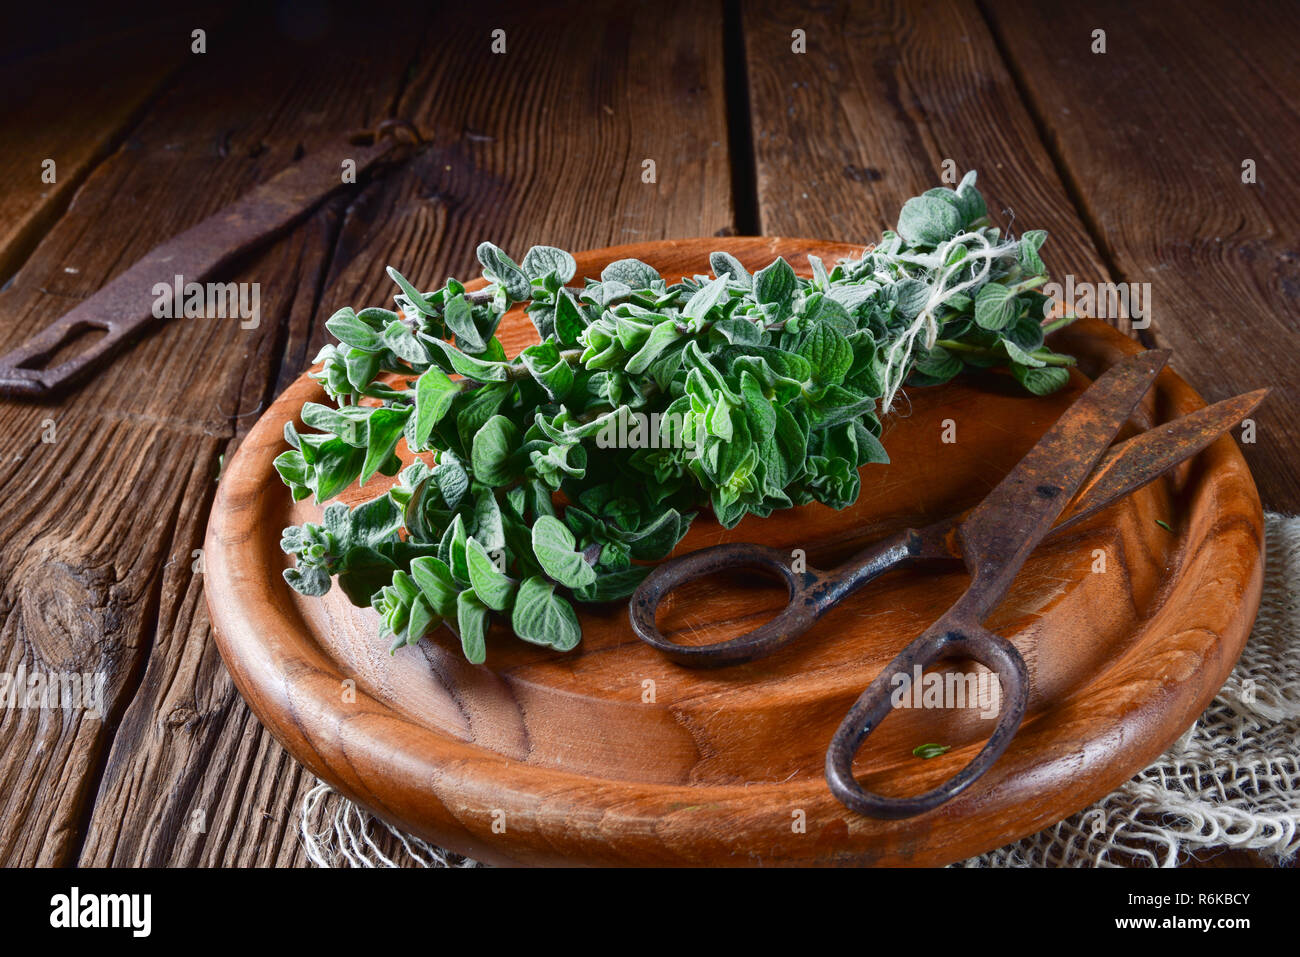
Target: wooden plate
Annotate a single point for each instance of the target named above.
(612, 755)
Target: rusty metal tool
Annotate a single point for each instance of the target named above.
(1067, 476)
(125, 305)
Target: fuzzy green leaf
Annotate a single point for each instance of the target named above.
(436, 584)
(491, 451)
(775, 284)
(544, 618)
(554, 546)
(504, 271)
(492, 587)
(471, 620)
(541, 260)
(433, 397)
(386, 427)
(995, 307)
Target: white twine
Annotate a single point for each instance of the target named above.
(896, 358)
(1232, 780)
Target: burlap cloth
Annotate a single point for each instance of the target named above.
(1233, 780)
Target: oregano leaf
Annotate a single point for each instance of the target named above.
(828, 353)
(492, 587)
(490, 455)
(554, 546)
(422, 619)
(433, 397)
(705, 298)
(412, 294)
(632, 273)
(1041, 380)
(460, 319)
(471, 621)
(541, 260)
(385, 429)
(775, 284)
(544, 618)
(350, 330)
(502, 270)
(928, 221)
(436, 584)
(995, 307)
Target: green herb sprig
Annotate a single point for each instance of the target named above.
(927, 751)
(558, 474)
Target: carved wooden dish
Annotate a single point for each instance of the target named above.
(612, 755)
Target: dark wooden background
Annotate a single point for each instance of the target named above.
(1131, 159)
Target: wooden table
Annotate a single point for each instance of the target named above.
(1132, 159)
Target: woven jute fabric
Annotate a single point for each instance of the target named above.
(1232, 780)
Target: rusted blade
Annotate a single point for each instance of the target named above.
(1002, 530)
(126, 304)
(1139, 460)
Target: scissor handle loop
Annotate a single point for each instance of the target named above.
(943, 640)
(812, 594)
(786, 626)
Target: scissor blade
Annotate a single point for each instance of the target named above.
(1139, 460)
(1002, 530)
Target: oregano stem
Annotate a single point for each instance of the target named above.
(1048, 357)
(1056, 324)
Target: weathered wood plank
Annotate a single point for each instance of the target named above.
(547, 143)
(240, 116)
(866, 118)
(1154, 133)
(170, 762)
(69, 107)
(182, 393)
(80, 563)
(508, 161)
(168, 766)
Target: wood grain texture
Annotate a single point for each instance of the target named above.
(1166, 199)
(886, 93)
(80, 594)
(584, 770)
(545, 143)
(208, 138)
(185, 737)
(103, 83)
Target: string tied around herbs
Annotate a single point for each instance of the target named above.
(984, 253)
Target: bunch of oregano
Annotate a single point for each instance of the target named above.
(557, 474)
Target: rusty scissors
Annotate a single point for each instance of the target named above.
(1071, 473)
